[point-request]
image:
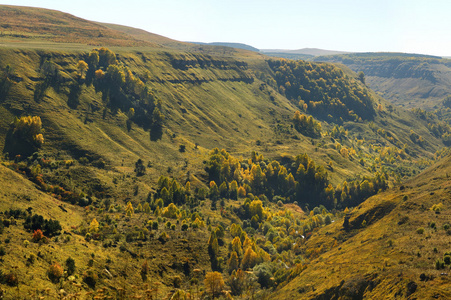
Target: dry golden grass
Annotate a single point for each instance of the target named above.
(379, 260)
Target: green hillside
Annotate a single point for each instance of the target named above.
(161, 169)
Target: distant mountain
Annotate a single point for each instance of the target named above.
(304, 51)
(232, 45)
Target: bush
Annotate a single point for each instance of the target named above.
(420, 230)
(55, 272)
(177, 282)
(264, 275)
(70, 266)
(11, 279)
(155, 225)
(31, 259)
(90, 277)
(439, 264)
(37, 235)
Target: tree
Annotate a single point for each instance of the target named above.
(129, 209)
(55, 272)
(214, 283)
(234, 262)
(234, 190)
(249, 259)
(70, 265)
(82, 68)
(24, 136)
(140, 169)
(361, 77)
(241, 192)
(237, 282)
(94, 226)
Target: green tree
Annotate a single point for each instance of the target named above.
(361, 77)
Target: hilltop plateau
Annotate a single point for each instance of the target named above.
(138, 166)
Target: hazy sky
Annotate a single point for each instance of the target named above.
(414, 26)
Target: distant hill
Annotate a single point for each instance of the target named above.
(143, 35)
(410, 80)
(294, 56)
(304, 51)
(232, 45)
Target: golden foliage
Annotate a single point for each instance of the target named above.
(214, 283)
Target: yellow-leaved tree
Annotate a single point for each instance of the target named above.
(214, 283)
(25, 136)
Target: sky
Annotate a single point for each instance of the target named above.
(412, 26)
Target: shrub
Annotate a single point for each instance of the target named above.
(327, 220)
(164, 237)
(90, 277)
(264, 274)
(70, 266)
(177, 281)
(144, 270)
(37, 235)
(55, 272)
(31, 259)
(11, 279)
(155, 225)
(437, 207)
(420, 230)
(439, 264)
(185, 227)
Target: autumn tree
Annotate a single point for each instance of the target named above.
(214, 283)
(82, 68)
(233, 262)
(237, 282)
(94, 225)
(129, 211)
(25, 136)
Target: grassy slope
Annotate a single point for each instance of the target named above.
(37, 24)
(380, 260)
(164, 258)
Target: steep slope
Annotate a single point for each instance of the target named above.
(413, 81)
(388, 250)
